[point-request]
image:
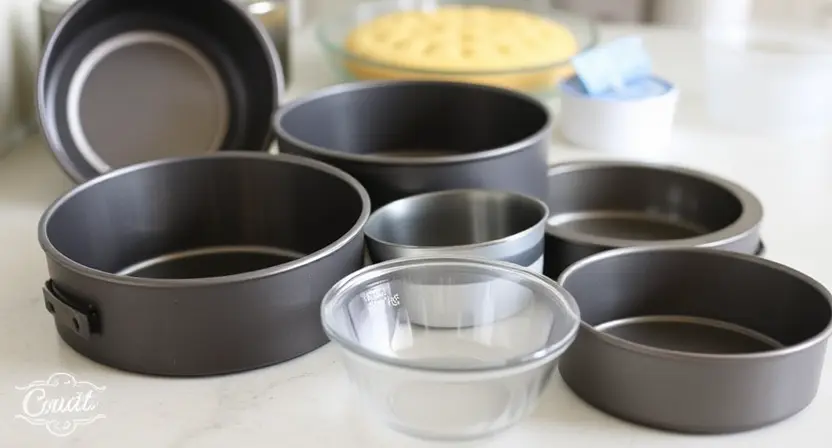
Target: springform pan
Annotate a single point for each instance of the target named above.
(696, 340)
(201, 265)
(128, 81)
(602, 205)
(401, 138)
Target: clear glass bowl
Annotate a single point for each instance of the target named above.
(449, 383)
(540, 80)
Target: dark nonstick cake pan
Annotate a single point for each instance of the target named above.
(201, 265)
(601, 205)
(123, 82)
(696, 340)
(402, 138)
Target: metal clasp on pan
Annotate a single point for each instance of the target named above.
(82, 319)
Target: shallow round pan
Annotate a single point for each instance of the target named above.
(601, 205)
(123, 82)
(401, 138)
(696, 340)
(201, 265)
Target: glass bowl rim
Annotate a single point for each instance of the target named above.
(336, 296)
(333, 47)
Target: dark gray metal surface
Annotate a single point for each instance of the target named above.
(601, 205)
(203, 265)
(696, 340)
(136, 80)
(409, 137)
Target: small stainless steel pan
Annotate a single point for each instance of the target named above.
(496, 225)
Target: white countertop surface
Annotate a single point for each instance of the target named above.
(308, 402)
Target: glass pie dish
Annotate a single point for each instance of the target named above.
(440, 383)
(532, 57)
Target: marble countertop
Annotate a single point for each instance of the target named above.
(309, 402)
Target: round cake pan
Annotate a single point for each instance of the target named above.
(696, 340)
(201, 265)
(600, 205)
(126, 82)
(401, 138)
(496, 225)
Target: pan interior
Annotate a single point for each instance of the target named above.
(638, 204)
(627, 225)
(415, 120)
(145, 95)
(203, 217)
(211, 262)
(454, 219)
(691, 335)
(694, 300)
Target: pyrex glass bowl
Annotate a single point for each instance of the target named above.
(449, 383)
(541, 81)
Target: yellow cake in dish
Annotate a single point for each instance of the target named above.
(476, 44)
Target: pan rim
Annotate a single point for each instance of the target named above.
(647, 350)
(374, 159)
(443, 250)
(746, 225)
(356, 230)
(45, 119)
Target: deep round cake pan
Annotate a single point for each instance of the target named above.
(401, 138)
(495, 225)
(130, 81)
(696, 340)
(602, 205)
(201, 265)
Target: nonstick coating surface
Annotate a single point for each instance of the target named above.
(695, 340)
(404, 138)
(130, 81)
(211, 262)
(689, 334)
(627, 225)
(176, 105)
(601, 205)
(204, 265)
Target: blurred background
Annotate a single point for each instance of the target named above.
(671, 12)
(24, 25)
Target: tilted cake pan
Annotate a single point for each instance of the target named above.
(123, 82)
(696, 340)
(496, 225)
(401, 138)
(201, 265)
(601, 205)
